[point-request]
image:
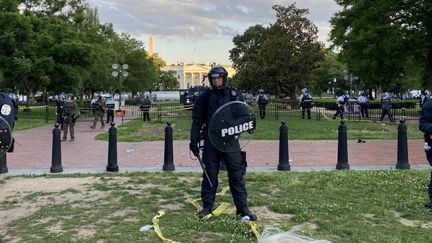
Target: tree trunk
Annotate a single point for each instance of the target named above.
(293, 99)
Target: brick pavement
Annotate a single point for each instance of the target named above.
(34, 147)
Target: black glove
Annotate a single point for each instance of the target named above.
(194, 148)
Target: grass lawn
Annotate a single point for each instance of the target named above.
(23, 124)
(340, 206)
(298, 129)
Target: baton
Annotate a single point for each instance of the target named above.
(204, 169)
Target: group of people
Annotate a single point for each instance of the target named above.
(363, 102)
(67, 113)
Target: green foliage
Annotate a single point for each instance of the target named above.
(281, 56)
(61, 46)
(376, 40)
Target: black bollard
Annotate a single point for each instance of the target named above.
(168, 156)
(283, 148)
(112, 149)
(402, 148)
(342, 156)
(56, 161)
(3, 164)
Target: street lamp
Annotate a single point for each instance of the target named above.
(120, 71)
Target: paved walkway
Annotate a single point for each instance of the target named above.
(33, 151)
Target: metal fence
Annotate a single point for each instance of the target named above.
(163, 112)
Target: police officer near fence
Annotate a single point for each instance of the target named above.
(110, 106)
(204, 107)
(386, 107)
(306, 103)
(340, 105)
(364, 104)
(145, 108)
(262, 101)
(70, 115)
(99, 112)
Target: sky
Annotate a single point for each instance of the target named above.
(201, 30)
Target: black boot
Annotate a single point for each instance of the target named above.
(246, 212)
(204, 212)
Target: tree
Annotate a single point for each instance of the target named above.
(329, 75)
(282, 56)
(376, 39)
(168, 80)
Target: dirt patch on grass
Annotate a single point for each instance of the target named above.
(264, 213)
(412, 223)
(19, 188)
(305, 227)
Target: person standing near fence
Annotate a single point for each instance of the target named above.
(70, 115)
(99, 111)
(262, 101)
(340, 103)
(306, 103)
(145, 108)
(364, 103)
(386, 107)
(110, 104)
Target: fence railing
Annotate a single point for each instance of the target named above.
(173, 111)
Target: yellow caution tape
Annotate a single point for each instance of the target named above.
(254, 229)
(324, 115)
(155, 221)
(223, 209)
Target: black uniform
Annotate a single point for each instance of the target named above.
(145, 108)
(425, 125)
(204, 107)
(8, 110)
(386, 108)
(306, 105)
(262, 101)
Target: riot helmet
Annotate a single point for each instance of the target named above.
(260, 91)
(362, 92)
(215, 72)
(304, 91)
(386, 95)
(425, 92)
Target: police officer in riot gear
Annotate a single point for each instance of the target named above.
(386, 107)
(340, 102)
(306, 103)
(425, 125)
(425, 94)
(262, 101)
(204, 107)
(8, 111)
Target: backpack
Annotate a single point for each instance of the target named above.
(69, 108)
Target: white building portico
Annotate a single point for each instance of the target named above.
(189, 75)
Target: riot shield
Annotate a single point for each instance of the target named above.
(232, 126)
(5, 136)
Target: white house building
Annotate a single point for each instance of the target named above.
(189, 75)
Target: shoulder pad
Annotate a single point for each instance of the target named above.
(234, 92)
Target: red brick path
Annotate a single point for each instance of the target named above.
(34, 147)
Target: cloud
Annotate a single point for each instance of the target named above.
(199, 20)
